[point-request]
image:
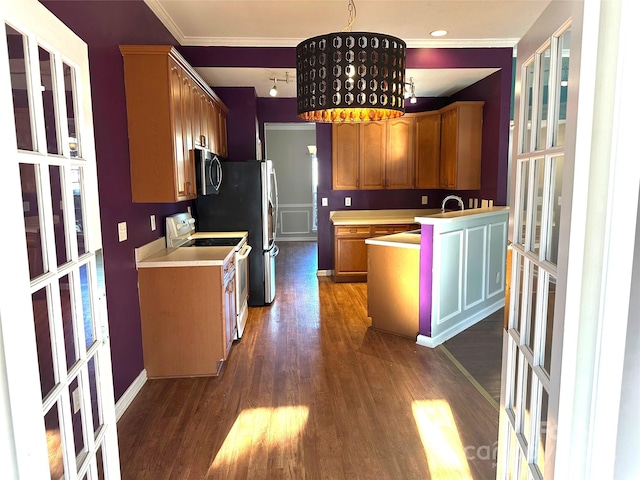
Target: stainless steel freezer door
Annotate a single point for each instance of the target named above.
(270, 274)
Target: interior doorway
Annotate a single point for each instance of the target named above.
(292, 149)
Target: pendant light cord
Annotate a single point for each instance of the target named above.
(352, 16)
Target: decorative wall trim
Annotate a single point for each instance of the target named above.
(289, 126)
(130, 393)
(289, 213)
(459, 327)
(297, 239)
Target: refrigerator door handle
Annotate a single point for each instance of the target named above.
(275, 188)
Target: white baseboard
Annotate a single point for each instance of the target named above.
(130, 393)
(324, 273)
(432, 342)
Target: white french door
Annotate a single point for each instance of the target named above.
(533, 340)
(56, 375)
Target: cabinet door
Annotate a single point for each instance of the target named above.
(469, 147)
(179, 128)
(449, 148)
(372, 155)
(222, 132)
(400, 154)
(427, 150)
(351, 257)
(345, 156)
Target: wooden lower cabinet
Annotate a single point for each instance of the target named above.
(188, 320)
(350, 249)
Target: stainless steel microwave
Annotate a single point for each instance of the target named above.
(208, 172)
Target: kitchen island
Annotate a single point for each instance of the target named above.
(456, 279)
(352, 227)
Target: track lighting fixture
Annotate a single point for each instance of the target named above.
(274, 90)
(410, 92)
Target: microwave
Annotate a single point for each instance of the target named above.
(208, 172)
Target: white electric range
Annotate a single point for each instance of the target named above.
(181, 233)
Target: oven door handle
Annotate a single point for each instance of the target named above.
(245, 252)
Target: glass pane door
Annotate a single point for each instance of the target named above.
(65, 281)
(524, 440)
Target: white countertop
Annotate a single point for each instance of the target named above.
(401, 240)
(460, 215)
(188, 257)
(155, 254)
(379, 217)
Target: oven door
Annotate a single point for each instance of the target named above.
(242, 287)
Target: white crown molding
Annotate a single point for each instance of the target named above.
(166, 20)
(292, 42)
(192, 41)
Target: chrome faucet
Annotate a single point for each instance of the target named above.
(453, 197)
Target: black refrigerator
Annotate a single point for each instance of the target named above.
(247, 200)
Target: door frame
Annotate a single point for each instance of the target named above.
(601, 186)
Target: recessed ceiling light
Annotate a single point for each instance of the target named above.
(439, 33)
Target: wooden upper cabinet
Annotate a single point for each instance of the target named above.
(400, 153)
(427, 148)
(372, 155)
(166, 121)
(344, 152)
(461, 146)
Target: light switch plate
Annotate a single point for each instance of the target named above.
(425, 199)
(325, 202)
(122, 231)
(76, 400)
(347, 201)
(153, 222)
(189, 210)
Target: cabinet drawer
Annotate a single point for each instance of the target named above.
(389, 229)
(353, 230)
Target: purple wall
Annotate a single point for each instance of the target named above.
(241, 121)
(426, 279)
(105, 25)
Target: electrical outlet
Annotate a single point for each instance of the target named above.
(122, 231)
(325, 202)
(347, 201)
(76, 400)
(26, 207)
(425, 199)
(153, 222)
(189, 210)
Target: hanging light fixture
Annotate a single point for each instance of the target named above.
(350, 76)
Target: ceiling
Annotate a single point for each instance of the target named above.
(285, 23)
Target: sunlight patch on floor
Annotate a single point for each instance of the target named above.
(445, 454)
(278, 427)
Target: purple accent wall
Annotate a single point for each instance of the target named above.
(426, 279)
(242, 118)
(104, 26)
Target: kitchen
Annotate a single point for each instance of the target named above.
(112, 143)
(106, 76)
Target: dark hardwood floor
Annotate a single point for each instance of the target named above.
(312, 392)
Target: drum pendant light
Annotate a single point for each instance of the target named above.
(350, 76)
